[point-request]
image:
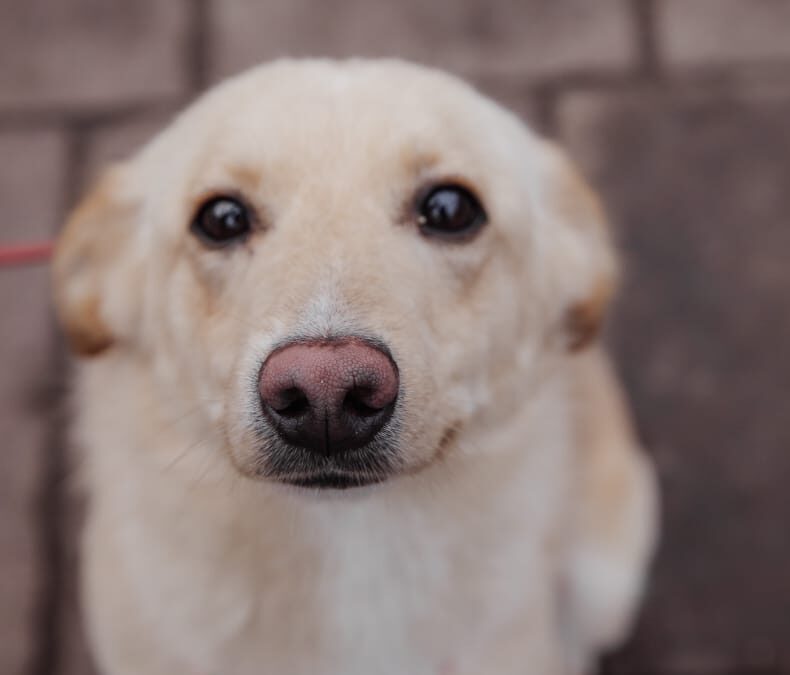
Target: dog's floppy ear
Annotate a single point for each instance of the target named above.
(94, 296)
(585, 267)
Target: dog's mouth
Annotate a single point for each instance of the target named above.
(333, 480)
(297, 467)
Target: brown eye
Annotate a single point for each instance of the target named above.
(221, 221)
(451, 212)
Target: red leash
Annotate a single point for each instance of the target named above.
(25, 253)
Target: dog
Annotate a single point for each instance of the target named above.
(342, 409)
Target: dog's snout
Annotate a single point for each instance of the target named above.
(329, 396)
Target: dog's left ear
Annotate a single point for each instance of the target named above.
(585, 266)
(93, 275)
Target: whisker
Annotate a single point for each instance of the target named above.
(192, 446)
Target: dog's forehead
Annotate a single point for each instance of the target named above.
(337, 102)
(293, 118)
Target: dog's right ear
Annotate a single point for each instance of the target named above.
(581, 258)
(94, 296)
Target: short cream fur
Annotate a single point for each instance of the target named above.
(516, 534)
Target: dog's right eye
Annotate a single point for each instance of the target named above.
(221, 221)
(450, 212)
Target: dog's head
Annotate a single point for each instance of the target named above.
(345, 264)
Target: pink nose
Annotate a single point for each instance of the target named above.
(329, 396)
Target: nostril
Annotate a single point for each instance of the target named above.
(358, 402)
(291, 403)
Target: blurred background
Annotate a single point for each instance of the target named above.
(678, 111)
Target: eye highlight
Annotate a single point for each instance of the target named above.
(450, 212)
(221, 221)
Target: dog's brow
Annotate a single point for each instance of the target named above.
(248, 177)
(419, 161)
(224, 178)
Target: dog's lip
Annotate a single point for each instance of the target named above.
(332, 480)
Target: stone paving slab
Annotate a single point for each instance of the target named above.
(73, 657)
(698, 188)
(31, 185)
(527, 39)
(118, 142)
(723, 32)
(79, 53)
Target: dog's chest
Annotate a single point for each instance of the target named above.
(391, 596)
(386, 588)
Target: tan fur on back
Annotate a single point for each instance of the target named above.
(515, 533)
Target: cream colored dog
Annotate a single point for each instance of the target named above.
(345, 414)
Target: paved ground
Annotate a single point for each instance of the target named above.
(679, 110)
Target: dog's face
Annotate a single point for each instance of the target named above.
(344, 265)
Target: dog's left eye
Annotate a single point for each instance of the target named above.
(222, 220)
(450, 212)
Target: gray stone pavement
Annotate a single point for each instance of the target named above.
(679, 111)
